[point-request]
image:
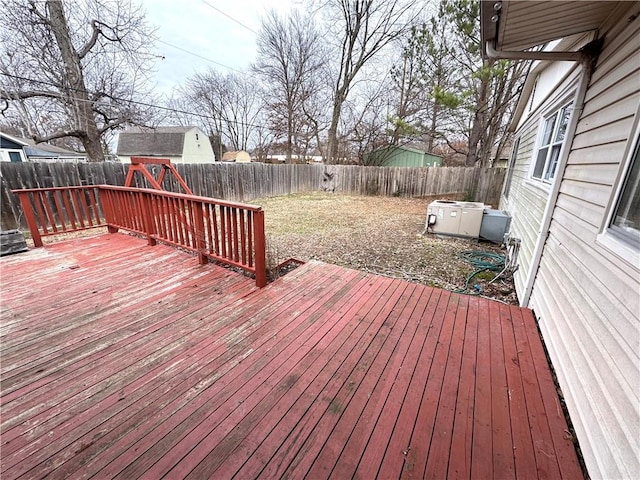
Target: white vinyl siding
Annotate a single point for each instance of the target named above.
(528, 198)
(586, 297)
(525, 204)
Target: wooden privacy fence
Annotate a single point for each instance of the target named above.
(227, 232)
(244, 183)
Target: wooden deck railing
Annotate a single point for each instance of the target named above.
(50, 211)
(227, 232)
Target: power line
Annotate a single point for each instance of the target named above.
(230, 17)
(199, 56)
(135, 102)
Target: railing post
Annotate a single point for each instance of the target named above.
(147, 218)
(198, 216)
(260, 248)
(31, 219)
(106, 200)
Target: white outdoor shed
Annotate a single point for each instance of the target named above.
(573, 189)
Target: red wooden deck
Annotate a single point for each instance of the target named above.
(121, 360)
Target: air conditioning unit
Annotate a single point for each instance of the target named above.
(495, 225)
(460, 219)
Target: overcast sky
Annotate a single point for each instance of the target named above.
(202, 28)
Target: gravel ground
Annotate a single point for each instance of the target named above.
(380, 235)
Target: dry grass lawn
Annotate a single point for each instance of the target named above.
(381, 235)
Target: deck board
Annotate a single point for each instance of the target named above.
(121, 360)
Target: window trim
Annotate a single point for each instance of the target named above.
(552, 112)
(510, 167)
(609, 238)
(9, 151)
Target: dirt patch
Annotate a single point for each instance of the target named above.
(382, 235)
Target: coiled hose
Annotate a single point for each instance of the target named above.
(494, 262)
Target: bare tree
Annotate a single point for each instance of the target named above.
(73, 72)
(368, 117)
(363, 28)
(290, 56)
(229, 105)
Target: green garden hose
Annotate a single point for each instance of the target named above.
(482, 261)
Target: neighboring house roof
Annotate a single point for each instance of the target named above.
(9, 141)
(167, 141)
(33, 149)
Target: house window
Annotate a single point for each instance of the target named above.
(15, 157)
(512, 164)
(625, 222)
(554, 131)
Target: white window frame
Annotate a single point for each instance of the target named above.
(623, 246)
(552, 146)
(6, 157)
(506, 190)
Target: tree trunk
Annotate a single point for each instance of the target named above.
(479, 122)
(434, 123)
(76, 88)
(332, 135)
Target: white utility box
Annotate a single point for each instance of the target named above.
(461, 219)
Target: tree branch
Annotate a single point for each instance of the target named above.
(58, 134)
(92, 41)
(21, 95)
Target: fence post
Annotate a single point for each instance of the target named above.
(31, 219)
(260, 248)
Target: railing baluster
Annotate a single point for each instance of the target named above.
(250, 237)
(175, 213)
(94, 205)
(59, 210)
(37, 199)
(181, 220)
(216, 233)
(67, 206)
(223, 231)
(167, 216)
(243, 237)
(229, 239)
(130, 219)
(236, 256)
(76, 202)
(85, 207)
(166, 205)
(200, 246)
(207, 223)
(47, 207)
(189, 224)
